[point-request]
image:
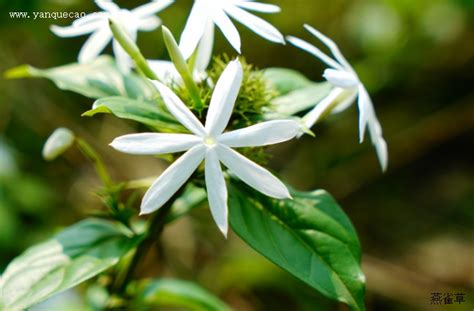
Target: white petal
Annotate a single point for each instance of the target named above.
(149, 23)
(179, 110)
(252, 174)
(154, 143)
(73, 31)
(259, 7)
(348, 98)
(228, 29)
(204, 50)
(194, 29)
(314, 51)
(123, 60)
(322, 107)
(262, 134)
(216, 190)
(107, 5)
(151, 8)
(223, 98)
(375, 129)
(256, 24)
(363, 102)
(94, 45)
(340, 78)
(331, 45)
(94, 18)
(165, 71)
(172, 179)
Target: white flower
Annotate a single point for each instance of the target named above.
(141, 18)
(347, 89)
(206, 13)
(208, 143)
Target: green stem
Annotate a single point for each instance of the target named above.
(132, 49)
(100, 167)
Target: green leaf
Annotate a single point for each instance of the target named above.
(145, 112)
(75, 255)
(181, 294)
(101, 78)
(309, 236)
(286, 80)
(301, 99)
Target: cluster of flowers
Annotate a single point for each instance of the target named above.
(209, 142)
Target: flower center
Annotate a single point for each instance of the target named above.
(209, 141)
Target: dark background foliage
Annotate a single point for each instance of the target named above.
(415, 221)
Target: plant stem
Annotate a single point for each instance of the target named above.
(100, 168)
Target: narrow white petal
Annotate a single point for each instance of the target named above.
(331, 45)
(256, 24)
(179, 110)
(151, 8)
(363, 102)
(262, 134)
(223, 98)
(216, 190)
(172, 179)
(165, 71)
(311, 49)
(259, 7)
(204, 50)
(73, 31)
(154, 143)
(107, 5)
(348, 98)
(94, 45)
(341, 78)
(98, 17)
(194, 29)
(149, 23)
(322, 107)
(252, 174)
(228, 29)
(123, 60)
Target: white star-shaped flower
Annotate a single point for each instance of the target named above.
(207, 13)
(347, 89)
(209, 143)
(141, 18)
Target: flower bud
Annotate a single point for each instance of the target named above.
(61, 139)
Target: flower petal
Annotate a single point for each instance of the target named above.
(331, 45)
(252, 174)
(107, 5)
(123, 60)
(194, 29)
(98, 17)
(311, 49)
(204, 50)
(179, 110)
(151, 8)
(73, 31)
(259, 7)
(94, 45)
(262, 134)
(216, 190)
(227, 27)
(149, 23)
(256, 24)
(340, 78)
(322, 107)
(154, 143)
(165, 71)
(223, 98)
(172, 179)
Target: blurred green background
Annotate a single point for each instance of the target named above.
(416, 221)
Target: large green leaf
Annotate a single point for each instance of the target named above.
(301, 99)
(181, 294)
(286, 80)
(146, 112)
(100, 78)
(72, 257)
(309, 236)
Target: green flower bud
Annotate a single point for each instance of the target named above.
(61, 139)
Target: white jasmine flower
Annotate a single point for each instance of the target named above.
(210, 12)
(347, 89)
(141, 18)
(208, 143)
